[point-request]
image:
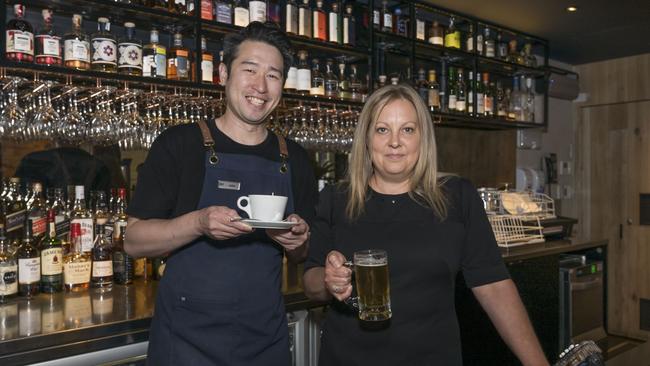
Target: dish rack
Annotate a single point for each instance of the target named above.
(515, 216)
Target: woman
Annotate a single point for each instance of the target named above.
(431, 228)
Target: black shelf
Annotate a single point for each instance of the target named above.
(441, 119)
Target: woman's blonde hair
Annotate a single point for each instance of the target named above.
(426, 188)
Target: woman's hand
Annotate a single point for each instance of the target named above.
(338, 277)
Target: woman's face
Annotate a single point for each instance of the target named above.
(395, 142)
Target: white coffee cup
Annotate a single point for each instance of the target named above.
(263, 207)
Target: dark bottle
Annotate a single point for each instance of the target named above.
(51, 258)
(8, 269)
(104, 47)
(178, 64)
(102, 256)
(37, 212)
(48, 43)
(130, 52)
(14, 212)
(223, 11)
(331, 82)
(29, 265)
(123, 263)
(20, 37)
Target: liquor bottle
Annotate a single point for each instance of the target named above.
(291, 17)
(514, 56)
(257, 11)
(502, 47)
(400, 23)
(29, 264)
(80, 215)
(461, 93)
(317, 80)
(20, 37)
(488, 96)
(273, 12)
(76, 46)
(349, 26)
(207, 10)
(528, 100)
(436, 34)
(120, 217)
(433, 95)
(469, 44)
(344, 83)
(48, 43)
(154, 59)
(223, 11)
(514, 101)
(319, 22)
(355, 84)
(130, 52)
(77, 264)
(102, 256)
(386, 17)
(490, 48)
(37, 212)
(14, 213)
(61, 218)
(51, 258)
(304, 19)
(123, 264)
(304, 74)
(207, 63)
(529, 59)
(160, 4)
(178, 6)
(291, 83)
(452, 94)
(335, 29)
(104, 47)
(376, 18)
(178, 60)
(420, 29)
(480, 95)
(452, 35)
(241, 14)
(331, 82)
(421, 84)
(502, 102)
(470, 93)
(8, 269)
(102, 214)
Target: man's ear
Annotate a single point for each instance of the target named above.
(223, 74)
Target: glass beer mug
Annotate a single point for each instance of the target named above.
(372, 284)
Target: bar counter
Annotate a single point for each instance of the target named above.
(65, 324)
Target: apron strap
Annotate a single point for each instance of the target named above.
(284, 153)
(208, 142)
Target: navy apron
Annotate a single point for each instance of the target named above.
(221, 302)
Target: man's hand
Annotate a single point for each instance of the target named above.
(221, 223)
(338, 278)
(291, 239)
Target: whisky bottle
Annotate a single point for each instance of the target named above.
(421, 84)
(37, 212)
(178, 6)
(461, 93)
(355, 84)
(480, 95)
(334, 24)
(317, 80)
(83, 217)
(61, 218)
(76, 46)
(51, 258)
(77, 264)
(123, 264)
(14, 213)
(207, 63)
(470, 93)
(469, 42)
(154, 59)
(8, 269)
(331, 82)
(29, 265)
(48, 43)
(319, 22)
(488, 96)
(257, 11)
(420, 29)
(130, 52)
(291, 81)
(207, 10)
(223, 11)
(120, 217)
(304, 19)
(436, 34)
(433, 96)
(101, 213)
(386, 17)
(241, 14)
(273, 12)
(20, 37)
(529, 59)
(178, 60)
(104, 47)
(304, 74)
(514, 56)
(489, 45)
(349, 26)
(102, 256)
(344, 83)
(502, 47)
(452, 35)
(291, 17)
(452, 93)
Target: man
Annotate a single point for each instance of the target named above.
(220, 301)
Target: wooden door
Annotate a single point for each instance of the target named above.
(613, 168)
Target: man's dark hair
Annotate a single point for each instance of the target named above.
(268, 33)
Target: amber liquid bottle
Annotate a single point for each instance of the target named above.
(48, 43)
(29, 265)
(178, 62)
(76, 46)
(76, 264)
(102, 255)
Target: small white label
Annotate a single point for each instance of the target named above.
(452, 102)
(76, 50)
(8, 280)
(104, 51)
(376, 17)
(438, 40)
(241, 17)
(147, 62)
(130, 56)
(460, 105)
(29, 270)
(388, 20)
(292, 78)
(207, 69)
(52, 261)
(87, 236)
(470, 44)
(76, 273)
(19, 41)
(419, 30)
(257, 11)
(102, 268)
(346, 30)
(480, 103)
(290, 26)
(334, 27)
(304, 79)
(303, 22)
(51, 46)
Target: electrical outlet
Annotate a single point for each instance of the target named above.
(567, 192)
(565, 167)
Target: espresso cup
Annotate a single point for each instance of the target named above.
(263, 207)
(372, 284)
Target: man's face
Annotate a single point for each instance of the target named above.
(254, 85)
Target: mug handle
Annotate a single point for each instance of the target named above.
(352, 301)
(246, 208)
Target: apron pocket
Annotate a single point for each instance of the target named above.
(203, 331)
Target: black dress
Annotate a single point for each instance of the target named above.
(424, 256)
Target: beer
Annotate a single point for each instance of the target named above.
(373, 287)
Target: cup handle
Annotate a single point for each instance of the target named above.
(352, 301)
(246, 208)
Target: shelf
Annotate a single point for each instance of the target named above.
(453, 120)
(504, 67)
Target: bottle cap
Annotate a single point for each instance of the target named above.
(75, 230)
(129, 25)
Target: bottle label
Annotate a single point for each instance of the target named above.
(489, 49)
(76, 273)
(104, 51)
(8, 279)
(119, 262)
(15, 221)
(160, 62)
(102, 268)
(19, 41)
(489, 104)
(147, 63)
(320, 25)
(29, 270)
(207, 69)
(346, 30)
(317, 89)
(241, 17)
(87, 236)
(388, 20)
(304, 79)
(437, 40)
(292, 78)
(206, 9)
(130, 56)
(291, 17)
(470, 44)
(257, 11)
(62, 226)
(331, 88)
(452, 102)
(452, 40)
(39, 225)
(51, 261)
(76, 50)
(419, 30)
(461, 105)
(304, 24)
(51, 46)
(480, 103)
(182, 64)
(434, 98)
(479, 44)
(334, 27)
(224, 13)
(376, 17)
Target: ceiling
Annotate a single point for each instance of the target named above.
(599, 30)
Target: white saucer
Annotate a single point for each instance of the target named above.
(258, 224)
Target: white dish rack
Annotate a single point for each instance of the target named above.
(515, 216)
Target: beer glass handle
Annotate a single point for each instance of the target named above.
(352, 301)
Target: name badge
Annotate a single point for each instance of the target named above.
(224, 184)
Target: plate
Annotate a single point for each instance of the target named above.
(258, 224)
